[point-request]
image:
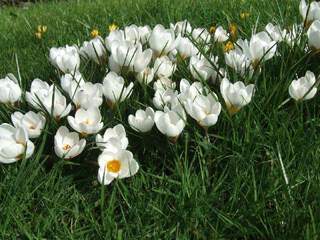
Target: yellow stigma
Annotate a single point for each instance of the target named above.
(244, 15)
(113, 166)
(94, 33)
(212, 29)
(228, 46)
(113, 27)
(66, 147)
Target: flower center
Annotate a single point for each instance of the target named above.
(66, 147)
(32, 127)
(113, 166)
(87, 122)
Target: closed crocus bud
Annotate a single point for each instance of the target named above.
(10, 91)
(86, 121)
(144, 32)
(14, 144)
(164, 98)
(131, 33)
(89, 95)
(113, 165)
(164, 67)
(162, 41)
(201, 35)
(67, 144)
(201, 68)
(275, 32)
(204, 109)
(146, 76)
(260, 48)
(32, 122)
(220, 35)
(314, 35)
(41, 96)
(66, 58)
(239, 62)
(113, 37)
(185, 47)
(142, 121)
(164, 84)
(94, 49)
(70, 83)
(114, 89)
(236, 95)
(113, 139)
(304, 87)
(181, 28)
(170, 123)
(312, 9)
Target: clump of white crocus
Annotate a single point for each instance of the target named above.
(116, 164)
(41, 96)
(171, 122)
(275, 32)
(164, 67)
(94, 49)
(204, 109)
(164, 98)
(14, 144)
(303, 88)
(66, 58)
(32, 122)
(239, 62)
(164, 83)
(71, 82)
(114, 89)
(162, 41)
(314, 35)
(89, 95)
(236, 95)
(142, 121)
(146, 76)
(201, 35)
(181, 28)
(260, 48)
(86, 121)
(67, 144)
(201, 68)
(10, 91)
(312, 9)
(220, 35)
(185, 47)
(112, 139)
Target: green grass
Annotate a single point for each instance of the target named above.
(231, 187)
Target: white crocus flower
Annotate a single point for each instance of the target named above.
(14, 144)
(144, 33)
(132, 33)
(114, 89)
(164, 98)
(142, 121)
(67, 144)
(181, 28)
(164, 83)
(32, 122)
(94, 49)
(113, 37)
(314, 35)
(236, 95)
(66, 58)
(162, 41)
(239, 62)
(220, 35)
(86, 121)
(188, 91)
(113, 139)
(146, 76)
(170, 122)
(10, 91)
(260, 48)
(304, 87)
(89, 95)
(70, 83)
(164, 67)
(275, 32)
(41, 95)
(185, 47)
(113, 165)
(312, 9)
(201, 35)
(204, 109)
(201, 68)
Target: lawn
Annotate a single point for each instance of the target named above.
(255, 176)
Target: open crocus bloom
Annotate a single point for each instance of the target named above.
(10, 91)
(142, 121)
(41, 95)
(204, 109)
(32, 122)
(162, 41)
(94, 49)
(164, 98)
(164, 67)
(181, 28)
(201, 68)
(312, 9)
(236, 95)
(239, 62)
(113, 138)
(66, 58)
(188, 91)
(70, 83)
(314, 35)
(164, 83)
(185, 47)
(67, 144)
(118, 164)
(275, 32)
(220, 35)
(14, 144)
(89, 95)
(114, 89)
(86, 121)
(201, 35)
(303, 88)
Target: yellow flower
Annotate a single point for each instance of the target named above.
(228, 46)
(42, 28)
(38, 35)
(94, 33)
(233, 29)
(212, 29)
(244, 15)
(113, 27)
